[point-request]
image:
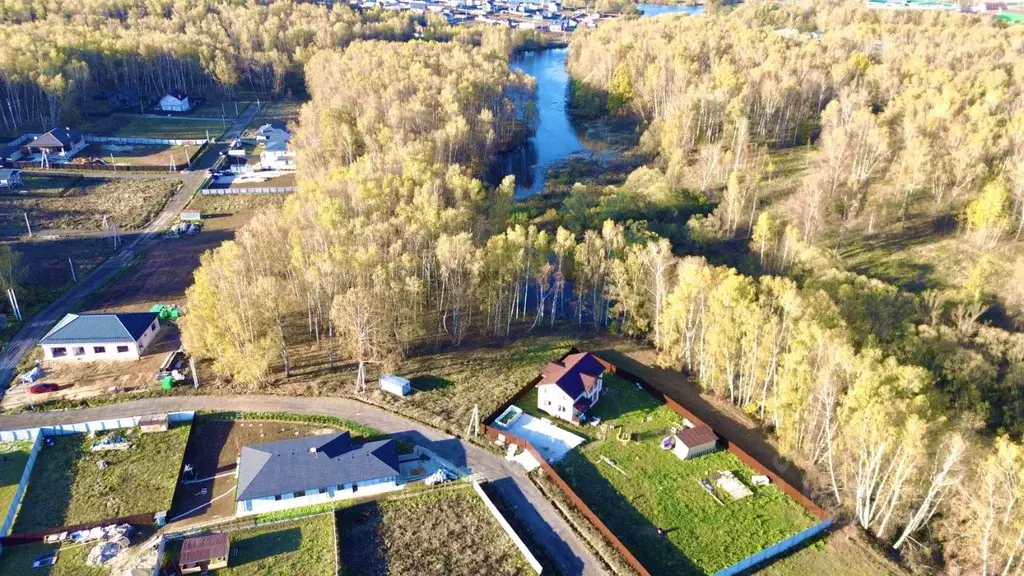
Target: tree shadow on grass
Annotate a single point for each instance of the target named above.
(262, 546)
(359, 542)
(640, 536)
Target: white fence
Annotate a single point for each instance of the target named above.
(86, 427)
(5, 528)
(266, 190)
(530, 558)
(145, 141)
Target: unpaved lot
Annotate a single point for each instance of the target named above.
(131, 202)
(162, 156)
(208, 493)
(83, 380)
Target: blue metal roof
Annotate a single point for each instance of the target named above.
(87, 328)
(312, 462)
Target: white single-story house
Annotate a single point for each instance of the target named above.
(101, 336)
(10, 178)
(313, 470)
(568, 389)
(692, 442)
(395, 385)
(175, 101)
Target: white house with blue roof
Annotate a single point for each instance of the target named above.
(313, 470)
(85, 337)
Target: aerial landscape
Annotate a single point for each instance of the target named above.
(446, 287)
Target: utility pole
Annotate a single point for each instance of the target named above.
(74, 278)
(195, 377)
(473, 429)
(27, 225)
(13, 299)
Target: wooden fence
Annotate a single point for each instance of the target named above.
(825, 520)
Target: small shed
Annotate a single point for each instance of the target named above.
(395, 385)
(191, 216)
(154, 423)
(695, 441)
(204, 553)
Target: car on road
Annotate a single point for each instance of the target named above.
(42, 388)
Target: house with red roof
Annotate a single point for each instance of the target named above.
(570, 388)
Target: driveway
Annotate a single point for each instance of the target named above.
(548, 527)
(39, 324)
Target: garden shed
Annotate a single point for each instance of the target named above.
(395, 385)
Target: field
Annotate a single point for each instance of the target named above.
(131, 202)
(159, 156)
(655, 490)
(303, 547)
(129, 125)
(278, 111)
(440, 532)
(216, 108)
(68, 488)
(13, 457)
(214, 450)
(163, 271)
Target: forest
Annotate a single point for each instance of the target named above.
(905, 404)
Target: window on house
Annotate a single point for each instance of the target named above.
(122, 349)
(78, 350)
(298, 494)
(355, 486)
(99, 349)
(58, 352)
(322, 491)
(277, 496)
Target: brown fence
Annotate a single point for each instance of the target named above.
(676, 407)
(110, 167)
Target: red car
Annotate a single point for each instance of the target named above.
(42, 388)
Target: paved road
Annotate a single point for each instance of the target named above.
(547, 525)
(39, 324)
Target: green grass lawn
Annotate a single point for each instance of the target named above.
(148, 127)
(660, 491)
(67, 487)
(17, 560)
(303, 547)
(13, 457)
(447, 531)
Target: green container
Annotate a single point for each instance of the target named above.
(157, 308)
(167, 382)
(175, 313)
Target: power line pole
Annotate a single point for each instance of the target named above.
(473, 429)
(27, 225)
(74, 278)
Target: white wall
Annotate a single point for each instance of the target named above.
(171, 104)
(110, 351)
(149, 334)
(530, 558)
(313, 496)
(550, 398)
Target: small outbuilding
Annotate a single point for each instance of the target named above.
(395, 385)
(204, 553)
(123, 99)
(692, 442)
(154, 423)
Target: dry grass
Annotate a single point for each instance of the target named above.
(440, 532)
(132, 202)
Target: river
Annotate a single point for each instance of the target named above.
(556, 138)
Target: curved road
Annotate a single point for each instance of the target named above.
(549, 528)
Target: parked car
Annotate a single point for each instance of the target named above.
(42, 388)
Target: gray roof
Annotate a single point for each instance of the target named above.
(56, 138)
(86, 328)
(312, 462)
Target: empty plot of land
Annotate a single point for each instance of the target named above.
(636, 488)
(303, 547)
(131, 202)
(441, 532)
(276, 112)
(68, 486)
(41, 186)
(129, 125)
(164, 157)
(212, 455)
(255, 180)
(13, 457)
